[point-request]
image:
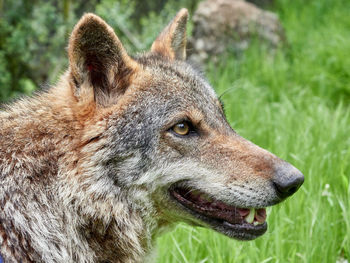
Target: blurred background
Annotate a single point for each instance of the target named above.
(282, 68)
(34, 34)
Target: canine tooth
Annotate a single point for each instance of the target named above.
(250, 218)
(256, 223)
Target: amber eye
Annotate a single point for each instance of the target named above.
(182, 128)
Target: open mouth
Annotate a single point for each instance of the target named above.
(235, 222)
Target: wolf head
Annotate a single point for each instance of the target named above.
(154, 135)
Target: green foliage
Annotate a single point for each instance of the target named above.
(31, 46)
(34, 34)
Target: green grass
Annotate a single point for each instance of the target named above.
(295, 104)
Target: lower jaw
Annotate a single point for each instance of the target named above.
(242, 231)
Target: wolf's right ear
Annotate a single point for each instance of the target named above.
(171, 42)
(97, 56)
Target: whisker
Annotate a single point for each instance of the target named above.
(226, 91)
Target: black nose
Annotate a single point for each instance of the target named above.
(287, 180)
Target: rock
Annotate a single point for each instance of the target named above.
(261, 3)
(221, 25)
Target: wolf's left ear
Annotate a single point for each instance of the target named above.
(97, 56)
(171, 43)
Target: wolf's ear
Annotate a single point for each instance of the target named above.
(171, 43)
(96, 55)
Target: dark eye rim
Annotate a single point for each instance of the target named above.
(192, 130)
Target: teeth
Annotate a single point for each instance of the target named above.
(250, 217)
(198, 194)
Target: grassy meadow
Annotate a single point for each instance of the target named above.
(297, 105)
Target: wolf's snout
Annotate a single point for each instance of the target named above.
(287, 180)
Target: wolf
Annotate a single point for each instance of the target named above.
(122, 148)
